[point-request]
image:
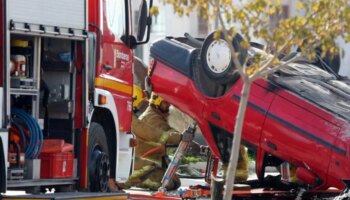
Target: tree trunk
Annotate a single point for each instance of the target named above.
(231, 170)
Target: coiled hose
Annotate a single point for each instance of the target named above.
(23, 136)
(36, 135)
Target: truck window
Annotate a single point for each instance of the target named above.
(116, 16)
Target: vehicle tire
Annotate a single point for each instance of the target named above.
(206, 85)
(216, 58)
(98, 160)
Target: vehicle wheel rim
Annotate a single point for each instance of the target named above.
(218, 56)
(99, 170)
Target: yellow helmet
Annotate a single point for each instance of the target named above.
(137, 96)
(155, 99)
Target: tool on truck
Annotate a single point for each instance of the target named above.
(186, 140)
(66, 83)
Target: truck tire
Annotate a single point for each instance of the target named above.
(216, 58)
(98, 160)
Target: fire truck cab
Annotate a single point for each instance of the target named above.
(66, 92)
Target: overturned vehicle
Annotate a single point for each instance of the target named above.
(299, 115)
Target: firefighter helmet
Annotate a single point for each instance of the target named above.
(155, 99)
(138, 96)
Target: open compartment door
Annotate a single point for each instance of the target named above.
(63, 17)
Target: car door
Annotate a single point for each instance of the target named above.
(221, 115)
(117, 59)
(298, 131)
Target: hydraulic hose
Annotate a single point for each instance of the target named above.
(40, 135)
(153, 150)
(36, 134)
(32, 138)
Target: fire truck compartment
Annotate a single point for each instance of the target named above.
(45, 16)
(42, 100)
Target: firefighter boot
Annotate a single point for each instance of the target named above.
(149, 184)
(138, 176)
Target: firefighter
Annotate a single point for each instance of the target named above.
(153, 133)
(242, 170)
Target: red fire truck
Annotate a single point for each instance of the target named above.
(66, 92)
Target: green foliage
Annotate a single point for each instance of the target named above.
(192, 159)
(188, 158)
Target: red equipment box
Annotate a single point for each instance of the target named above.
(56, 165)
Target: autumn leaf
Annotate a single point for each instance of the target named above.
(300, 6)
(153, 11)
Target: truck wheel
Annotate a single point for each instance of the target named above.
(98, 161)
(216, 58)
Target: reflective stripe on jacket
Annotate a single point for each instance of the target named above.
(152, 130)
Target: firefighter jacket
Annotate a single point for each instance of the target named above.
(152, 134)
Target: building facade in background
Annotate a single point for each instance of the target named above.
(290, 6)
(168, 23)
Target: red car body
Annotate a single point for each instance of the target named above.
(293, 116)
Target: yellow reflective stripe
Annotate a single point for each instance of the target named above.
(155, 144)
(164, 138)
(158, 163)
(114, 85)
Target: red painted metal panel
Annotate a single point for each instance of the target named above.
(83, 164)
(227, 107)
(119, 57)
(339, 168)
(299, 135)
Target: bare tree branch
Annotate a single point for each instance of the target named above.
(270, 61)
(233, 52)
